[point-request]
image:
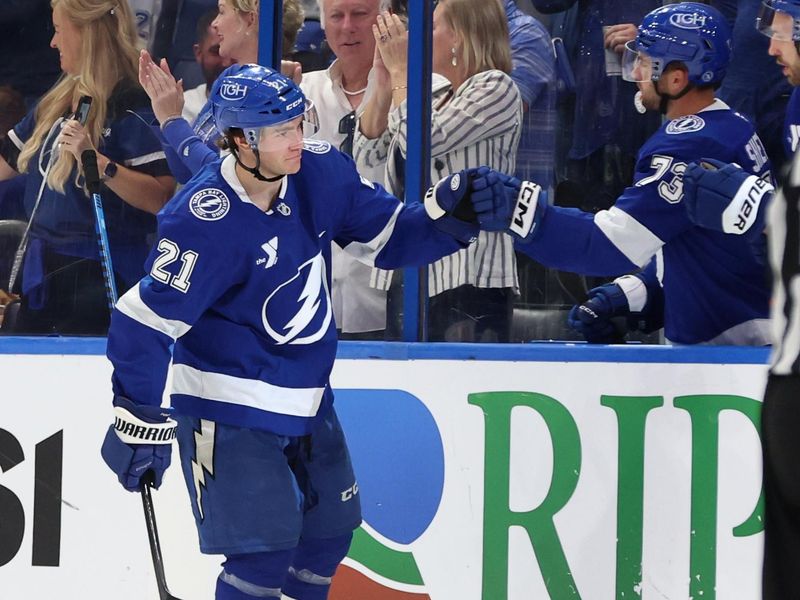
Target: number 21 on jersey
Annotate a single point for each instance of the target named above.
(168, 253)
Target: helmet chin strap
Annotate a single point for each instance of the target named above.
(255, 171)
(663, 104)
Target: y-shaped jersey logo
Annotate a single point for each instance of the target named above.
(299, 310)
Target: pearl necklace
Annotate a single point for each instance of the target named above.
(355, 93)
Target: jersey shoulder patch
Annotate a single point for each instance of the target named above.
(687, 124)
(209, 204)
(316, 146)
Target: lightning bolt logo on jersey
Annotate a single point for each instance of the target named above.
(308, 291)
(243, 295)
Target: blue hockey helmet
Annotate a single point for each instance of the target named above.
(772, 23)
(250, 97)
(691, 33)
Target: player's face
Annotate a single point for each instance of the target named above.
(281, 148)
(783, 48)
(67, 40)
(348, 29)
(207, 55)
(233, 29)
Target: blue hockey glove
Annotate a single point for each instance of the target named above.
(595, 319)
(504, 203)
(448, 206)
(140, 440)
(725, 197)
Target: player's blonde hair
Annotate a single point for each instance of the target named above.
(109, 54)
(482, 30)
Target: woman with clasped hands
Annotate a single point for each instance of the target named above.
(476, 117)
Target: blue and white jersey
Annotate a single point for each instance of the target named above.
(791, 124)
(244, 295)
(715, 290)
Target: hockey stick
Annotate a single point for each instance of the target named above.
(92, 177)
(152, 535)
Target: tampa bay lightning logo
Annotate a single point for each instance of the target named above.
(685, 125)
(316, 146)
(210, 204)
(299, 310)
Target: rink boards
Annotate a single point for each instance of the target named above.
(485, 472)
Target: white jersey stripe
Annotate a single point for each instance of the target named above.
(144, 159)
(367, 253)
(253, 393)
(630, 237)
(132, 305)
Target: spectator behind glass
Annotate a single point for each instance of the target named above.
(12, 109)
(534, 73)
(189, 147)
(476, 119)
(29, 64)
(62, 284)
(146, 14)
(603, 130)
(206, 53)
(338, 92)
(293, 16)
(311, 49)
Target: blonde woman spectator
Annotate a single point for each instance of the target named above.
(62, 283)
(475, 121)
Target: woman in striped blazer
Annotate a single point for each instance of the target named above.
(476, 118)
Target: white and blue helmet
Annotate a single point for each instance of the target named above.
(691, 33)
(249, 97)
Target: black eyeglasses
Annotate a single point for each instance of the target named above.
(347, 125)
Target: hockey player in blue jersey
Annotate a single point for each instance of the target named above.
(714, 289)
(780, 20)
(238, 297)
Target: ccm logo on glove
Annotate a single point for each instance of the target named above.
(522, 220)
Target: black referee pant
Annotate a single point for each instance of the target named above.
(780, 436)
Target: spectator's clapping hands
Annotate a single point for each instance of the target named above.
(618, 35)
(391, 39)
(74, 138)
(166, 94)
